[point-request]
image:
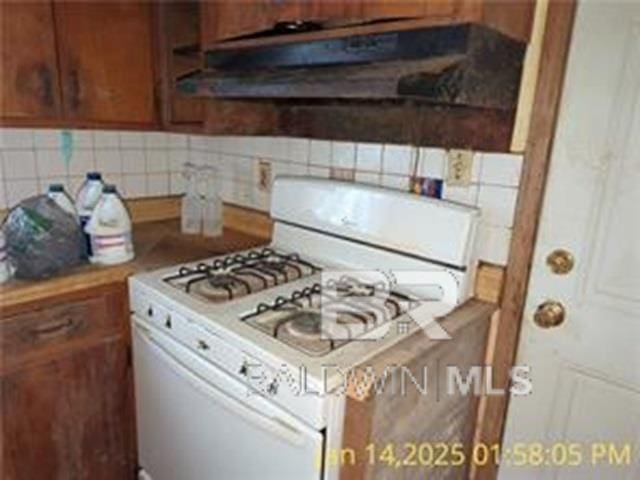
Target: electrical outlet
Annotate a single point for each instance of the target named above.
(264, 176)
(460, 167)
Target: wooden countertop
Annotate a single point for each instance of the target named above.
(156, 244)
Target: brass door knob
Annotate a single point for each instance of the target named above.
(560, 261)
(549, 314)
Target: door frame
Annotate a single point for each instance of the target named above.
(537, 155)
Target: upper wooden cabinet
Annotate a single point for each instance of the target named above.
(77, 63)
(225, 20)
(29, 86)
(178, 45)
(106, 63)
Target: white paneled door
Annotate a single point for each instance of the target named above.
(582, 419)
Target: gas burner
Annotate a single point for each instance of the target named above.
(221, 280)
(238, 275)
(317, 321)
(304, 324)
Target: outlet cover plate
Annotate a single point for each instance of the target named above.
(460, 166)
(264, 176)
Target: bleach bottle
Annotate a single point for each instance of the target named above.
(110, 230)
(86, 201)
(57, 193)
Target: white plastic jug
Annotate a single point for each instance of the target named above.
(110, 230)
(86, 201)
(57, 193)
(5, 268)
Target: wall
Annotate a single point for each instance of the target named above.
(149, 164)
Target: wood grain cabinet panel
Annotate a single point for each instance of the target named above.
(106, 61)
(44, 331)
(29, 85)
(225, 19)
(69, 418)
(66, 390)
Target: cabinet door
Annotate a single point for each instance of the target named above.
(29, 87)
(227, 19)
(106, 61)
(378, 9)
(69, 418)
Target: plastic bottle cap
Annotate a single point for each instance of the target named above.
(56, 187)
(109, 189)
(94, 176)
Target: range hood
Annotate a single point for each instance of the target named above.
(462, 64)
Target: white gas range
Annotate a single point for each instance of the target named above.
(239, 360)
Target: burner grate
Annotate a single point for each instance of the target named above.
(280, 318)
(238, 275)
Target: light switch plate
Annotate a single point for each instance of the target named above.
(460, 166)
(264, 176)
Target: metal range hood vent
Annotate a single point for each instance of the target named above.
(464, 64)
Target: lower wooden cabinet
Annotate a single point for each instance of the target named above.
(67, 399)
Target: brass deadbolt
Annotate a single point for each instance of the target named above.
(560, 261)
(549, 314)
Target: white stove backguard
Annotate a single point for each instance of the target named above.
(437, 230)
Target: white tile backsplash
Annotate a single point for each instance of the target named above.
(47, 138)
(343, 154)
(397, 182)
(156, 161)
(16, 138)
(369, 157)
(501, 169)
(19, 164)
(82, 138)
(497, 205)
(150, 164)
(398, 159)
(50, 163)
(493, 243)
(82, 161)
(158, 184)
(320, 153)
(371, 178)
(432, 163)
(133, 160)
(134, 185)
(20, 189)
(106, 139)
(110, 161)
(131, 139)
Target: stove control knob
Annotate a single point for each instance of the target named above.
(150, 311)
(167, 322)
(272, 389)
(202, 345)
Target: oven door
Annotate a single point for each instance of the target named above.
(195, 422)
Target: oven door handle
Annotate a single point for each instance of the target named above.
(273, 425)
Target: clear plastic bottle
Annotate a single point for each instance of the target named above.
(86, 201)
(57, 193)
(191, 216)
(212, 211)
(110, 230)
